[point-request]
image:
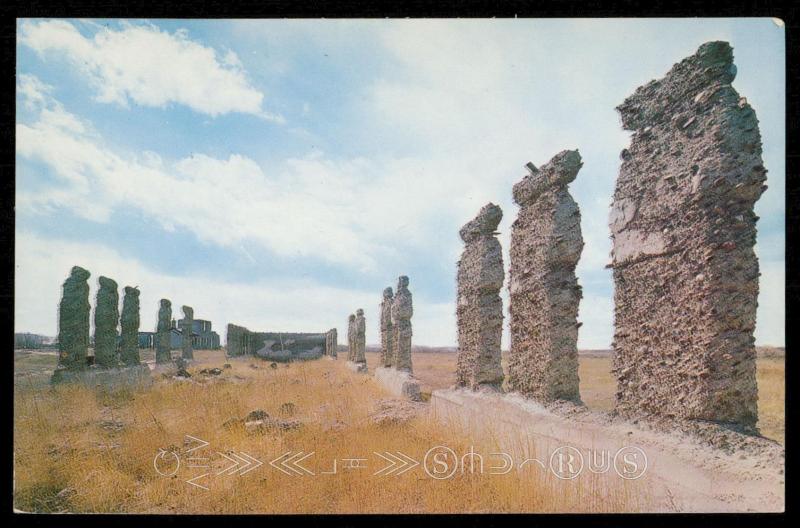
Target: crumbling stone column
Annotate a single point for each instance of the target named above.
(331, 343)
(546, 244)
(360, 337)
(351, 337)
(129, 322)
(186, 333)
(106, 318)
(73, 320)
(480, 309)
(683, 230)
(163, 345)
(387, 332)
(402, 311)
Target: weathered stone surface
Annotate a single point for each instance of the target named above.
(387, 332)
(331, 343)
(360, 337)
(402, 311)
(187, 351)
(73, 321)
(129, 322)
(399, 383)
(351, 337)
(683, 230)
(546, 244)
(106, 319)
(479, 309)
(163, 354)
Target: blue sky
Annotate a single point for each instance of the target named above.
(279, 174)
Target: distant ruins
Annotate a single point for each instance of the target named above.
(163, 354)
(129, 323)
(546, 244)
(187, 323)
(73, 321)
(479, 309)
(402, 311)
(275, 346)
(683, 230)
(331, 344)
(106, 318)
(387, 331)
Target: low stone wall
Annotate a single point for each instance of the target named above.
(682, 473)
(398, 383)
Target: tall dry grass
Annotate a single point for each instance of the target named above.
(80, 449)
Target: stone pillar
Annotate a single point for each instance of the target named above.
(546, 244)
(360, 337)
(231, 341)
(683, 230)
(387, 332)
(351, 337)
(479, 308)
(73, 321)
(129, 322)
(402, 311)
(106, 319)
(186, 333)
(163, 354)
(334, 352)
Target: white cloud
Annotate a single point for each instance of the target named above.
(151, 67)
(43, 263)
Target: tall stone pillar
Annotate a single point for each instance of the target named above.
(351, 337)
(683, 230)
(360, 337)
(334, 352)
(186, 333)
(387, 333)
(546, 244)
(73, 321)
(106, 319)
(163, 345)
(129, 322)
(480, 309)
(402, 311)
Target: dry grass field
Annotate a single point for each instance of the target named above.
(78, 449)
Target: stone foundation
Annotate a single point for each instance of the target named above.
(357, 367)
(398, 383)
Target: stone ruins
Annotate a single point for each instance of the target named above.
(129, 323)
(73, 321)
(479, 309)
(683, 230)
(387, 333)
(402, 311)
(351, 337)
(546, 244)
(163, 354)
(187, 351)
(359, 337)
(275, 346)
(331, 343)
(106, 317)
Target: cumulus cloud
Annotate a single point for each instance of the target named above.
(151, 67)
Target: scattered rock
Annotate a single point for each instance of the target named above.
(288, 409)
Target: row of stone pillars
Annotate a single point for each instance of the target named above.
(110, 351)
(395, 325)
(685, 272)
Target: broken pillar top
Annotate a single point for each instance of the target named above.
(402, 282)
(482, 225)
(106, 282)
(166, 303)
(351, 317)
(388, 293)
(188, 312)
(558, 172)
(655, 102)
(360, 312)
(78, 273)
(132, 291)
